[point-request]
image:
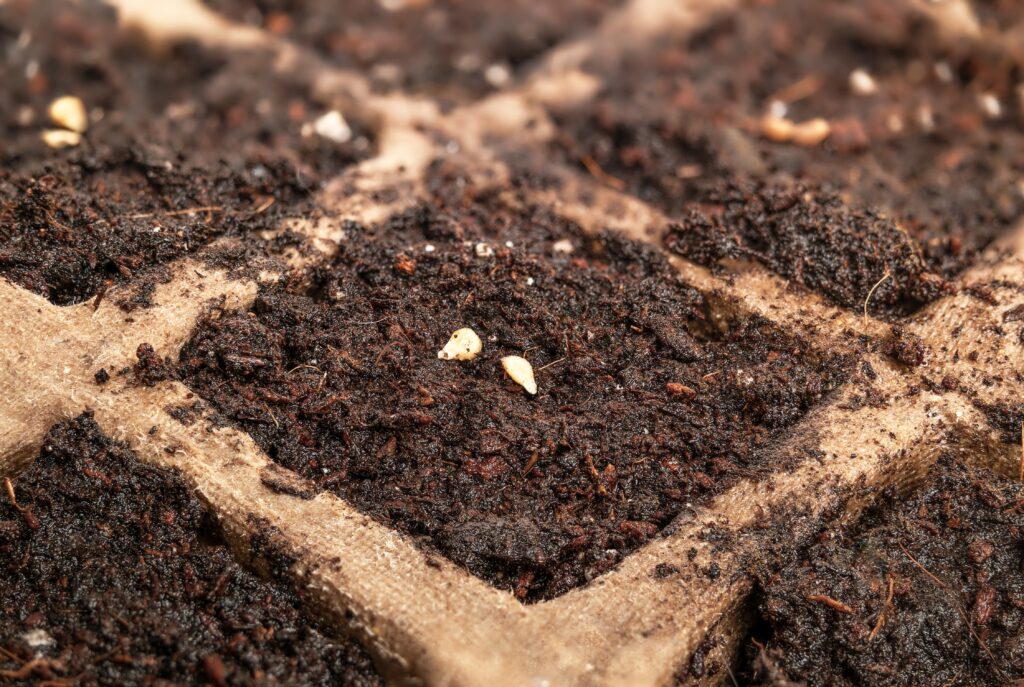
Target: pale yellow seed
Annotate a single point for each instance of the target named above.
(464, 344)
(61, 138)
(811, 132)
(69, 112)
(778, 129)
(521, 372)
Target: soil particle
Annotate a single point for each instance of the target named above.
(934, 585)
(537, 494)
(150, 368)
(906, 348)
(123, 570)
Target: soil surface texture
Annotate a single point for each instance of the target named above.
(113, 574)
(925, 590)
(643, 406)
(920, 134)
(449, 49)
(182, 147)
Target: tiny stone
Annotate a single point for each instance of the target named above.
(562, 246)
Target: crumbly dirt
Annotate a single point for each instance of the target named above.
(926, 589)
(813, 238)
(446, 48)
(644, 407)
(921, 151)
(183, 147)
(114, 574)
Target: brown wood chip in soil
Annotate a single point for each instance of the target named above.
(920, 153)
(934, 582)
(113, 574)
(182, 148)
(535, 494)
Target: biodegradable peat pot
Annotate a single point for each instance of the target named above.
(727, 364)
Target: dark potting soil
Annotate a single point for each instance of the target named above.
(925, 590)
(182, 148)
(447, 48)
(813, 238)
(114, 574)
(923, 150)
(643, 407)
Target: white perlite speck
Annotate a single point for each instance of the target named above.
(464, 344)
(333, 127)
(862, 83)
(521, 372)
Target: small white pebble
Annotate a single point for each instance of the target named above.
(990, 105)
(521, 372)
(69, 112)
(778, 109)
(429, 248)
(333, 127)
(484, 250)
(464, 344)
(38, 639)
(529, 281)
(862, 83)
(61, 138)
(509, 244)
(497, 75)
(563, 246)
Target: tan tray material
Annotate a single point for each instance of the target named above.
(428, 620)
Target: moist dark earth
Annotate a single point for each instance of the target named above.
(644, 407)
(935, 150)
(449, 49)
(182, 148)
(114, 574)
(928, 589)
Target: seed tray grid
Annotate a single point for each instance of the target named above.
(427, 619)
